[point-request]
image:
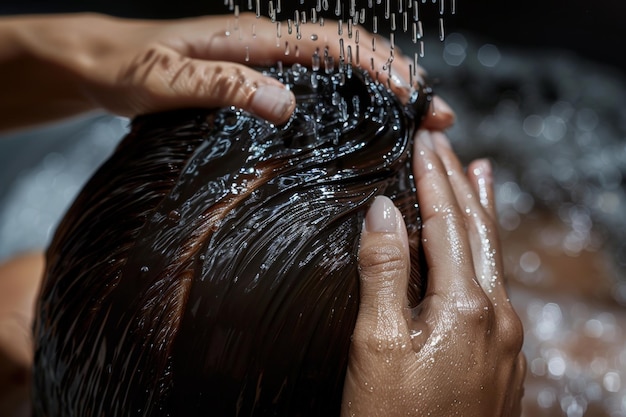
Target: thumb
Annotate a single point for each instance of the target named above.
(384, 268)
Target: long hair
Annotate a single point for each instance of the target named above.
(209, 267)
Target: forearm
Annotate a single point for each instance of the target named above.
(41, 61)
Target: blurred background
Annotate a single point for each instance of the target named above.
(539, 87)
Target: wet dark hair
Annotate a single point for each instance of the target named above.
(209, 266)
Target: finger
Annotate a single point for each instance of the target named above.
(446, 245)
(482, 231)
(384, 274)
(167, 80)
(513, 407)
(439, 115)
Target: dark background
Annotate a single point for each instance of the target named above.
(594, 29)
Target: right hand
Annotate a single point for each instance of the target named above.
(67, 64)
(458, 352)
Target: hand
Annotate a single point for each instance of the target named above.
(20, 278)
(57, 66)
(458, 352)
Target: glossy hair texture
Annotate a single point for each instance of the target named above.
(209, 267)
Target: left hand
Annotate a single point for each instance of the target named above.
(458, 352)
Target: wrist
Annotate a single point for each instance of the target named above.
(43, 62)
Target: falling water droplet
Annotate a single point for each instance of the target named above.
(315, 61)
(441, 7)
(313, 37)
(227, 32)
(144, 269)
(247, 58)
(341, 49)
(338, 8)
(258, 8)
(329, 64)
(442, 34)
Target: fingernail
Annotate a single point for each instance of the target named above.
(272, 102)
(381, 216)
(442, 109)
(424, 136)
(399, 81)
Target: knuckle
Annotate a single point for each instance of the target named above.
(476, 310)
(231, 85)
(381, 343)
(511, 332)
(381, 260)
(449, 215)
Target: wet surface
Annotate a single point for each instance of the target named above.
(553, 124)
